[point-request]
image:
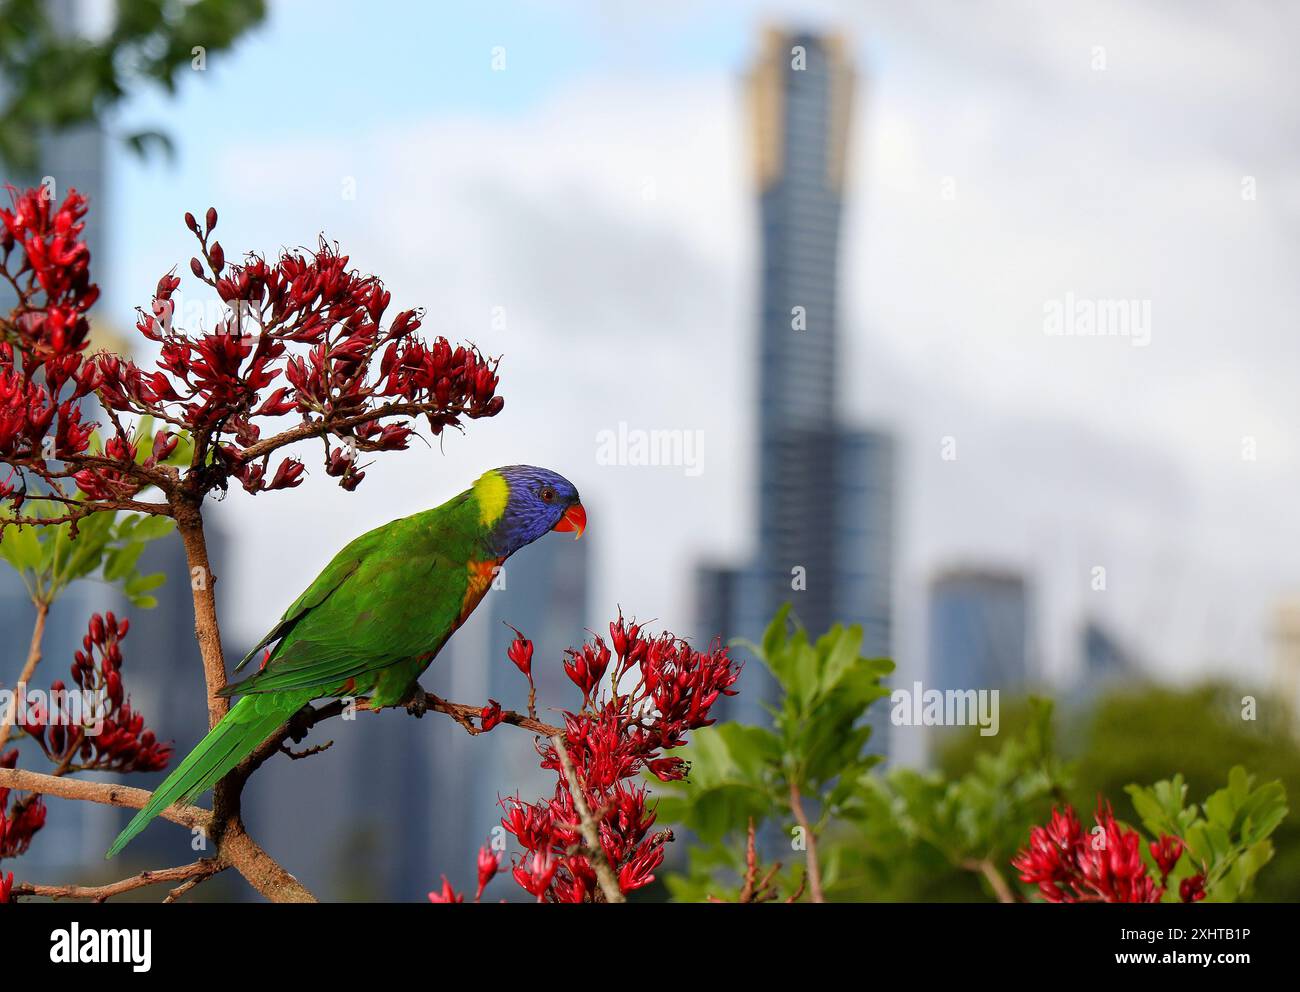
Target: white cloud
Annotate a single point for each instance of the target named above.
(615, 225)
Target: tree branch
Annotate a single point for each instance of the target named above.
(259, 869)
(189, 522)
(235, 848)
(105, 793)
(29, 669)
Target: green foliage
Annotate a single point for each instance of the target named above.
(814, 749)
(106, 545)
(1145, 733)
(1227, 838)
(56, 78)
(948, 834)
(970, 823)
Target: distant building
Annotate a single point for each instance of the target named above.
(825, 490)
(1105, 659)
(1286, 641)
(979, 631)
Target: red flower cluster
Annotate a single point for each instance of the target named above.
(19, 824)
(100, 732)
(55, 268)
(304, 334)
(1106, 865)
(43, 374)
(615, 735)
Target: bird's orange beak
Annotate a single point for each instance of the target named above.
(575, 518)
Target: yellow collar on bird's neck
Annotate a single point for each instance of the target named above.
(491, 492)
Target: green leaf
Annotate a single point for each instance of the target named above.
(21, 548)
(841, 653)
(150, 527)
(120, 562)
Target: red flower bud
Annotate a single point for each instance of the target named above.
(446, 893)
(490, 714)
(488, 865)
(521, 653)
(1166, 853)
(1192, 889)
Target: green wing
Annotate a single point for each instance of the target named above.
(393, 594)
(336, 572)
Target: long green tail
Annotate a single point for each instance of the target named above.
(250, 721)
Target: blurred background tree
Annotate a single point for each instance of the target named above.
(1148, 733)
(55, 79)
(855, 832)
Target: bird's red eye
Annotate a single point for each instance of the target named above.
(547, 493)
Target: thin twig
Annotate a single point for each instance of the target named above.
(334, 425)
(755, 889)
(29, 669)
(986, 868)
(751, 866)
(797, 894)
(191, 874)
(810, 841)
(175, 894)
(589, 827)
(306, 752)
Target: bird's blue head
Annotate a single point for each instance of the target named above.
(520, 503)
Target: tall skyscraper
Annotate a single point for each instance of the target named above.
(979, 631)
(825, 490)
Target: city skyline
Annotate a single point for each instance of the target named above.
(954, 326)
(941, 342)
(607, 253)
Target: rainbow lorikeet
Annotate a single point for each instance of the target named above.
(375, 617)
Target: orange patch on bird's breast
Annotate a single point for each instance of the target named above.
(481, 574)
